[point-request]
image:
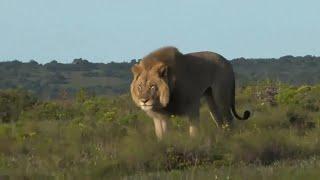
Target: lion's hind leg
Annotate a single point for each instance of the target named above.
(222, 98)
(213, 107)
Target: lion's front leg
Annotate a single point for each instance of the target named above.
(193, 130)
(194, 123)
(160, 126)
(194, 127)
(193, 116)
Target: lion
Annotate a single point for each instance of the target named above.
(167, 82)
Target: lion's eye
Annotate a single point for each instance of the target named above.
(139, 87)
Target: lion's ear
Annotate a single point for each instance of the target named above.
(136, 69)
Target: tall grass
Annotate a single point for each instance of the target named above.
(98, 137)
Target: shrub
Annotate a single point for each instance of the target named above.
(13, 102)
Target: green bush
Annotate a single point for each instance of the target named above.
(53, 111)
(306, 96)
(13, 103)
(101, 137)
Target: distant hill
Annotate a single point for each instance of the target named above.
(288, 69)
(54, 79)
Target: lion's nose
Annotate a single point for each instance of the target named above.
(144, 100)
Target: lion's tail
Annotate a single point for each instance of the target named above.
(246, 114)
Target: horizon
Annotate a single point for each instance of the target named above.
(105, 31)
(128, 61)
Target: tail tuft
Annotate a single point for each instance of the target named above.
(246, 115)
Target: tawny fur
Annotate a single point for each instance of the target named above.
(179, 81)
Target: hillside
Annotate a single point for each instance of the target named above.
(54, 79)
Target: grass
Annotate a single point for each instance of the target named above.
(296, 169)
(100, 137)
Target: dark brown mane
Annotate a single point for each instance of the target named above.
(166, 55)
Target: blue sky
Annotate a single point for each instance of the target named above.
(120, 30)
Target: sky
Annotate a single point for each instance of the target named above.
(121, 30)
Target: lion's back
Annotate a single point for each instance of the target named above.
(208, 57)
(195, 72)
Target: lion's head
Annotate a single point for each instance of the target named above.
(150, 87)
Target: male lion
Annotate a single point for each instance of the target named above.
(167, 82)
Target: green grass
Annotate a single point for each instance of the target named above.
(100, 137)
(291, 170)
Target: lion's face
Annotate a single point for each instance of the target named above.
(149, 88)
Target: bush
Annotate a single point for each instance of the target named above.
(103, 137)
(13, 103)
(49, 111)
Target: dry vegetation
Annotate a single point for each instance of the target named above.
(100, 137)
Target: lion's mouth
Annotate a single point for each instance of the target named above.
(146, 107)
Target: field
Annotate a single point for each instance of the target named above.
(92, 137)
